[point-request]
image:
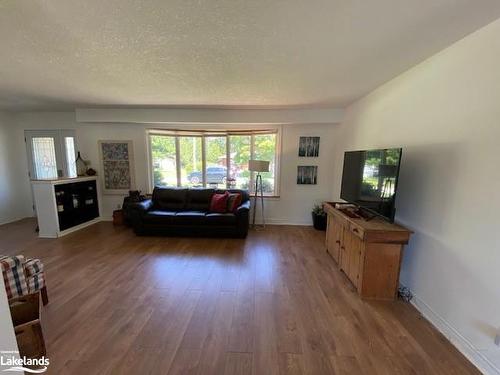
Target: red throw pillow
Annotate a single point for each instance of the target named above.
(233, 202)
(218, 203)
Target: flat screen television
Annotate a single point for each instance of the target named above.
(370, 180)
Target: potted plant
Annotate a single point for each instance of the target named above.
(319, 217)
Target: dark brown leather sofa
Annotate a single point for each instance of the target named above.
(185, 212)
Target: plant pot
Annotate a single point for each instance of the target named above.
(319, 221)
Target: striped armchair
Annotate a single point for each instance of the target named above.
(23, 276)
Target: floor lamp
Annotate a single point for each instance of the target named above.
(258, 166)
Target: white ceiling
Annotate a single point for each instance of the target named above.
(59, 54)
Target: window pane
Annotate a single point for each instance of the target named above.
(44, 157)
(216, 172)
(69, 142)
(240, 155)
(265, 149)
(190, 159)
(163, 155)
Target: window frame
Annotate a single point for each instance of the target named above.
(211, 133)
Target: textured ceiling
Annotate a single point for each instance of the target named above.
(226, 53)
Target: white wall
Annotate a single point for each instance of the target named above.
(13, 188)
(293, 206)
(445, 113)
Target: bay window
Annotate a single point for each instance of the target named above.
(217, 159)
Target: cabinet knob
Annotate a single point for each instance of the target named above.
(337, 241)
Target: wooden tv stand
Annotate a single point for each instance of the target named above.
(369, 252)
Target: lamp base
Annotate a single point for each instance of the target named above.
(258, 187)
(258, 227)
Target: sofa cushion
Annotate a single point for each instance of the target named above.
(190, 218)
(199, 199)
(244, 193)
(219, 202)
(233, 202)
(221, 219)
(170, 199)
(159, 217)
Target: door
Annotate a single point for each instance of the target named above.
(41, 148)
(51, 153)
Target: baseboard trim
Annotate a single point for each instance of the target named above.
(286, 222)
(11, 220)
(477, 358)
(268, 221)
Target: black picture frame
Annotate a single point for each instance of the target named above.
(309, 147)
(307, 175)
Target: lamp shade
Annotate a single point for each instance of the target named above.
(258, 166)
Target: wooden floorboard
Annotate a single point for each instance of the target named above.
(274, 303)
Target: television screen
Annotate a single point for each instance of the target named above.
(370, 179)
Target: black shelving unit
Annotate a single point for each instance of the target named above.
(76, 203)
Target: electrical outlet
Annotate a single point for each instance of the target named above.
(497, 339)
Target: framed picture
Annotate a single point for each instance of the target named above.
(309, 147)
(117, 161)
(307, 174)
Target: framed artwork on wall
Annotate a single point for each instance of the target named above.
(309, 147)
(117, 162)
(307, 174)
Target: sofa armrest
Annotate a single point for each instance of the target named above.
(243, 208)
(242, 219)
(141, 207)
(136, 212)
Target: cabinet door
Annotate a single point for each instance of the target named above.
(333, 237)
(355, 248)
(344, 258)
(337, 240)
(329, 233)
(350, 256)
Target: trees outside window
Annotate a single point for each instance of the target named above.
(190, 155)
(214, 160)
(164, 161)
(239, 154)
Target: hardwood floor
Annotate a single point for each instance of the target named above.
(271, 304)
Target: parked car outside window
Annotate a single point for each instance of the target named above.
(215, 175)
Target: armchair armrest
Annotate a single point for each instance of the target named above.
(33, 267)
(12, 268)
(35, 276)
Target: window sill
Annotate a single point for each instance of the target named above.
(270, 197)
